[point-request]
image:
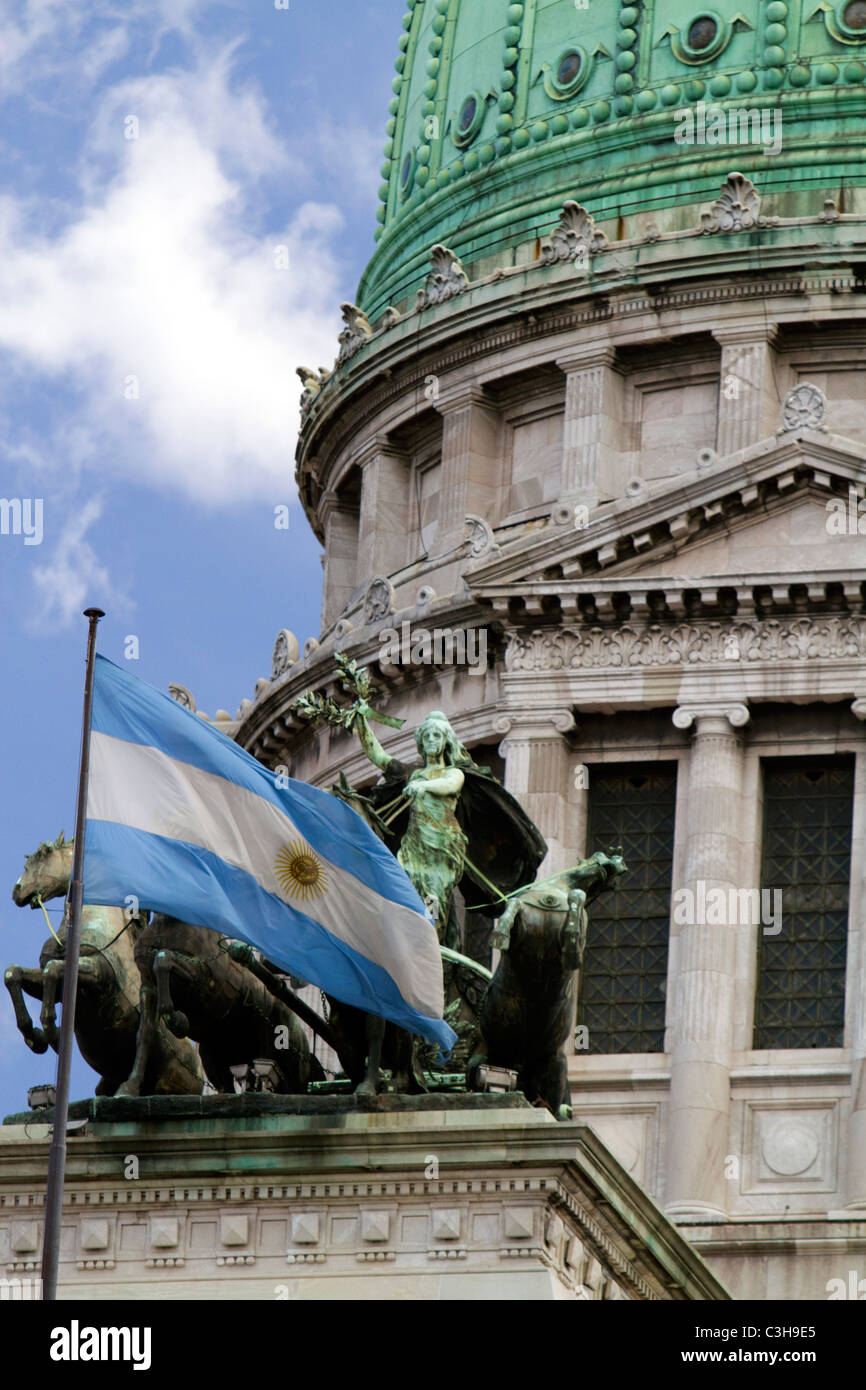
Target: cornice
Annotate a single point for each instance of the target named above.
(746, 484)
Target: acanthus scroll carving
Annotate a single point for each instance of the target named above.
(446, 279)
(688, 644)
(737, 208)
(378, 600)
(574, 238)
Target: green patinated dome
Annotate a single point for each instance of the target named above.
(503, 110)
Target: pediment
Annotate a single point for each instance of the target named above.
(780, 510)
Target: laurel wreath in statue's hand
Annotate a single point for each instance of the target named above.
(354, 680)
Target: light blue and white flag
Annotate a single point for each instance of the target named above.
(185, 820)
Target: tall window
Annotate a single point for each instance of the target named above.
(800, 996)
(622, 992)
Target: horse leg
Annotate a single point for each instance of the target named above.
(406, 1077)
(547, 1081)
(165, 962)
(372, 1075)
(21, 981)
(52, 995)
(146, 1029)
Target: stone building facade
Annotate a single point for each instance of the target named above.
(600, 413)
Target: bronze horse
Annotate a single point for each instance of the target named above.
(107, 1001)
(529, 1008)
(194, 981)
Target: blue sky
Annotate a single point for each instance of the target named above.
(154, 155)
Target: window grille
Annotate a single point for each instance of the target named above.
(622, 993)
(800, 995)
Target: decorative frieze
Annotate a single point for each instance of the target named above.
(688, 644)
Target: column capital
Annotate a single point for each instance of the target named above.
(543, 724)
(459, 396)
(331, 502)
(591, 355)
(858, 708)
(734, 714)
(375, 447)
(734, 334)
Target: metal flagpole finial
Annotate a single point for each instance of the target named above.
(57, 1155)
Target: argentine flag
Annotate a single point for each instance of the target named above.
(189, 823)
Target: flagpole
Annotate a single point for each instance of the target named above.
(57, 1155)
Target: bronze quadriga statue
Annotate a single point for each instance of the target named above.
(107, 1002)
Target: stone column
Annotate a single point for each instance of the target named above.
(540, 774)
(591, 444)
(702, 1015)
(855, 1186)
(384, 522)
(471, 480)
(340, 557)
(748, 401)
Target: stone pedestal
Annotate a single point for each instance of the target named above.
(334, 1197)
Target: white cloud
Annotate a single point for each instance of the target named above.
(165, 275)
(73, 575)
(38, 36)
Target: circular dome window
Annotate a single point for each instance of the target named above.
(569, 67)
(702, 33)
(703, 39)
(467, 114)
(407, 173)
(568, 74)
(468, 120)
(854, 16)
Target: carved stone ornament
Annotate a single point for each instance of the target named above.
(737, 208)
(424, 599)
(286, 652)
(685, 645)
(358, 329)
(182, 696)
(479, 538)
(446, 279)
(574, 238)
(378, 600)
(804, 407)
(313, 383)
(684, 716)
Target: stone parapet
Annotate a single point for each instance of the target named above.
(332, 1197)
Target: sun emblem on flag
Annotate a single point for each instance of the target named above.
(299, 870)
